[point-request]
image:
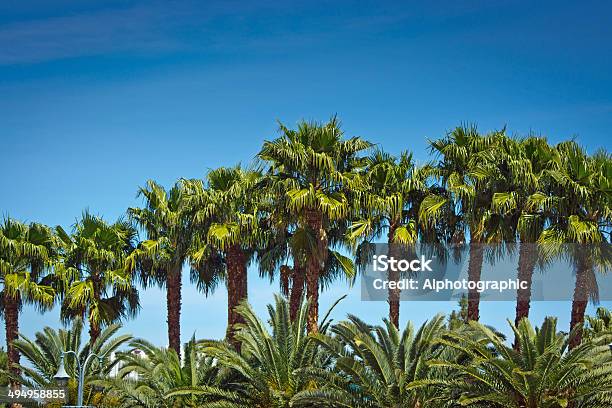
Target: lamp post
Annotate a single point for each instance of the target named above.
(62, 376)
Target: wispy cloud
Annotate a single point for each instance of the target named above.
(136, 29)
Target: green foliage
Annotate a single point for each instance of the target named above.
(379, 366)
(152, 377)
(315, 198)
(599, 324)
(274, 367)
(98, 285)
(43, 355)
(540, 372)
(28, 254)
(4, 377)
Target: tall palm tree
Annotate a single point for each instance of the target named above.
(27, 254)
(315, 166)
(395, 188)
(579, 212)
(541, 372)
(468, 173)
(288, 244)
(227, 217)
(99, 286)
(160, 258)
(521, 165)
(44, 353)
(281, 251)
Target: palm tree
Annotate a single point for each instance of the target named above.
(273, 367)
(379, 366)
(44, 354)
(521, 165)
(281, 251)
(160, 258)
(395, 188)
(27, 254)
(578, 208)
(315, 167)
(541, 372)
(152, 377)
(288, 244)
(469, 174)
(227, 217)
(99, 286)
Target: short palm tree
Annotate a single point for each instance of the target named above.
(44, 353)
(99, 286)
(27, 254)
(379, 366)
(315, 166)
(160, 258)
(273, 367)
(152, 377)
(541, 372)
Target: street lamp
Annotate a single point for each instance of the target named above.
(62, 376)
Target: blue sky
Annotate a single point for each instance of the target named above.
(97, 97)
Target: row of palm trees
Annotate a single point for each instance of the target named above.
(311, 197)
(442, 363)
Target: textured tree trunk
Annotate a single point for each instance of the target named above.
(285, 276)
(11, 319)
(393, 276)
(580, 300)
(297, 290)
(94, 331)
(173, 300)
(94, 326)
(526, 266)
(314, 264)
(236, 290)
(474, 272)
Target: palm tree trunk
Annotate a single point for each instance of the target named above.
(173, 303)
(393, 276)
(526, 266)
(297, 290)
(236, 289)
(94, 331)
(474, 272)
(285, 277)
(94, 325)
(580, 300)
(11, 319)
(314, 264)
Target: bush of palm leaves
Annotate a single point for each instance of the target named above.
(43, 355)
(375, 366)
(273, 366)
(153, 377)
(598, 324)
(541, 372)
